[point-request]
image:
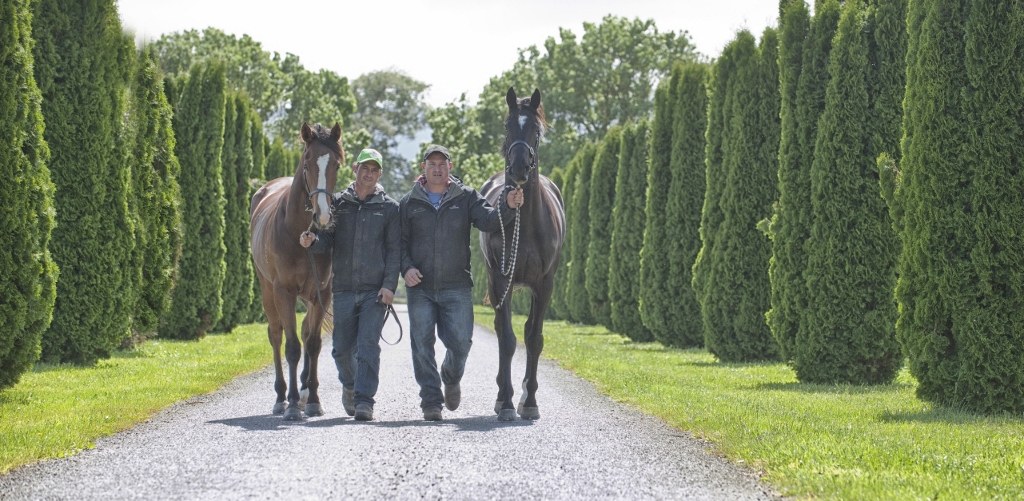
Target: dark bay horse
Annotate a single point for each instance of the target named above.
(279, 213)
(527, 254)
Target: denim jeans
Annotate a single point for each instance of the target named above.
(451, 312)
(358, 320)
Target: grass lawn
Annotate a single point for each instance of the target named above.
(58, 410)
(809, 441)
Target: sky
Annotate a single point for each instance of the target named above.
(455, 46)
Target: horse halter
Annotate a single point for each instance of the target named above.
(533, 153)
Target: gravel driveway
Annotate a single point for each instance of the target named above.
(227, 445)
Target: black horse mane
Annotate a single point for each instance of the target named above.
(323, 136)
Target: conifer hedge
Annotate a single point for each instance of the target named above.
(846, 335)
(557, 308)
(961, 316)
(199, 131)
(736, 288)
(627, 234)
(28, 274)
(81, 70)
(578, 226)
(685, 200)
(157, 196)
(236, 166)
(599, 208)
(653, 302)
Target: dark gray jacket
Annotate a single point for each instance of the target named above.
(436, 241)
(366, 236)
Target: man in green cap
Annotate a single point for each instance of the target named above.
(366, 239)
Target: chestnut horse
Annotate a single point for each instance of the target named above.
(529, 255)
(279, 213)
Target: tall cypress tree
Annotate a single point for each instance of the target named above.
(654, 303)
(157, 196)
(737, 289)
(685, 200)
(579, 232)
(602, 195)
(257, 177)
(28, 274)
(627, 230)
(961, 314)
(785, 269)
(82, 81)
(236, 165)
(723, 74)
(847, 333)
(558, 306)
(199, 130)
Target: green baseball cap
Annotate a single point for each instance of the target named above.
(369, 154)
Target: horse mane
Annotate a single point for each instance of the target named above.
(323, 136)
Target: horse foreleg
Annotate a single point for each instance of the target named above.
(506, 349)
(312, 342)
(274, 329)
(292, 351)
(533, 337)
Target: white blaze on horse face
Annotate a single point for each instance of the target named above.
(522, 121)
(321, 184)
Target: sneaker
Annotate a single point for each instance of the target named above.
(348, 400)
(432, 414)
(452, 396)
(364, 412)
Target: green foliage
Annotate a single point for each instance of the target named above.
(736, 288)
(157, 196)
(236, 165)
(655, 249)
(627, 230)
(591, 81)
(199, 130)
(846, 335)
(257, 177)
(28, 277)
(389, 105)
(685, 199)
(578, 235)
(961, 320)
(599, 236)
(82, 70)
(558, 306)
(281, 90)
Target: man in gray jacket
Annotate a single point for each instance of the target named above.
(436, 216)
(365, 239)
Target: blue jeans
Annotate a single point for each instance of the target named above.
(358, 320)
(451, 312)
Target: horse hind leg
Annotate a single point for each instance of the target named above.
(274, 334)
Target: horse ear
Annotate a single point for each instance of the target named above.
(306, 133)
(336, 133)
(510, 98)
(535, 99)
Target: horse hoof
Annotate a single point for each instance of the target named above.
(507, 415)
(314, 409)
(497, 406)
(279, 408)
(303, 398)
(292, 413)
(530, 413)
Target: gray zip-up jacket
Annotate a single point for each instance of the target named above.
(436, 241)
(366, 238)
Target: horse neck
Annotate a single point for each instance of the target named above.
(297, 218)
(532, 197)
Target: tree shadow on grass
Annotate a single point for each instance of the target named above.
(837, 389)
(950, 416)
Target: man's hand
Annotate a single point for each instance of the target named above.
(385, 296)
(413, 277)
(515, 198)
(307, 238)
